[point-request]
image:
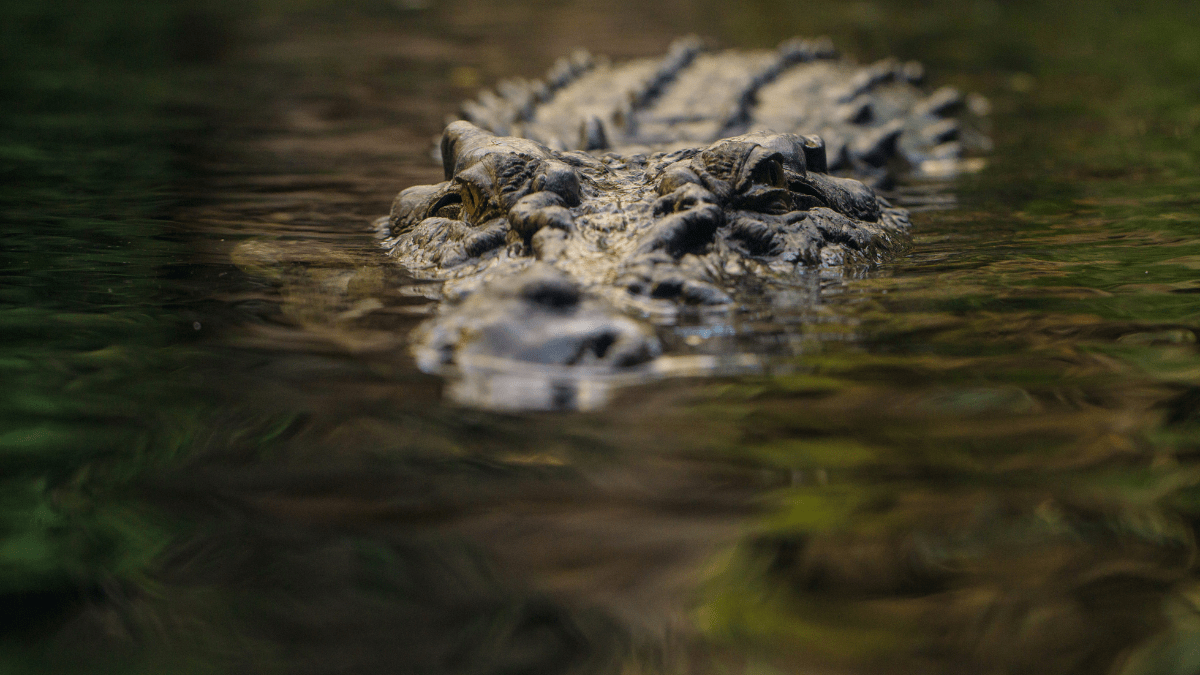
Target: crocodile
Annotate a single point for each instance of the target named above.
(560, 253)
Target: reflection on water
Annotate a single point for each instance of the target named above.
(502, 385)
(509, 386)
(979, 458)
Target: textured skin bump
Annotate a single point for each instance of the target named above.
(547, 253)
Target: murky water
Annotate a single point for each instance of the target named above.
(219, 456)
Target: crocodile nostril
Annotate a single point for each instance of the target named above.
(552, 293)
(601, 344)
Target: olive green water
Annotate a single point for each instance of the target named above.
(217, 455)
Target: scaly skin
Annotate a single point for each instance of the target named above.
(550, 251)
(874, 119)
(547, 253)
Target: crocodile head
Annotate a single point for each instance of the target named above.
(618, 235)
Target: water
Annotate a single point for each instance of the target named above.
(219, 457)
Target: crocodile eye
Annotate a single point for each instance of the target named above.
(769, 172)
(471, 200)
(763, 185)
(448, 206)
(474, 202)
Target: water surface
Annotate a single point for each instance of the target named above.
(219, 457)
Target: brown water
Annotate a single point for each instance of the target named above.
(980, 458)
